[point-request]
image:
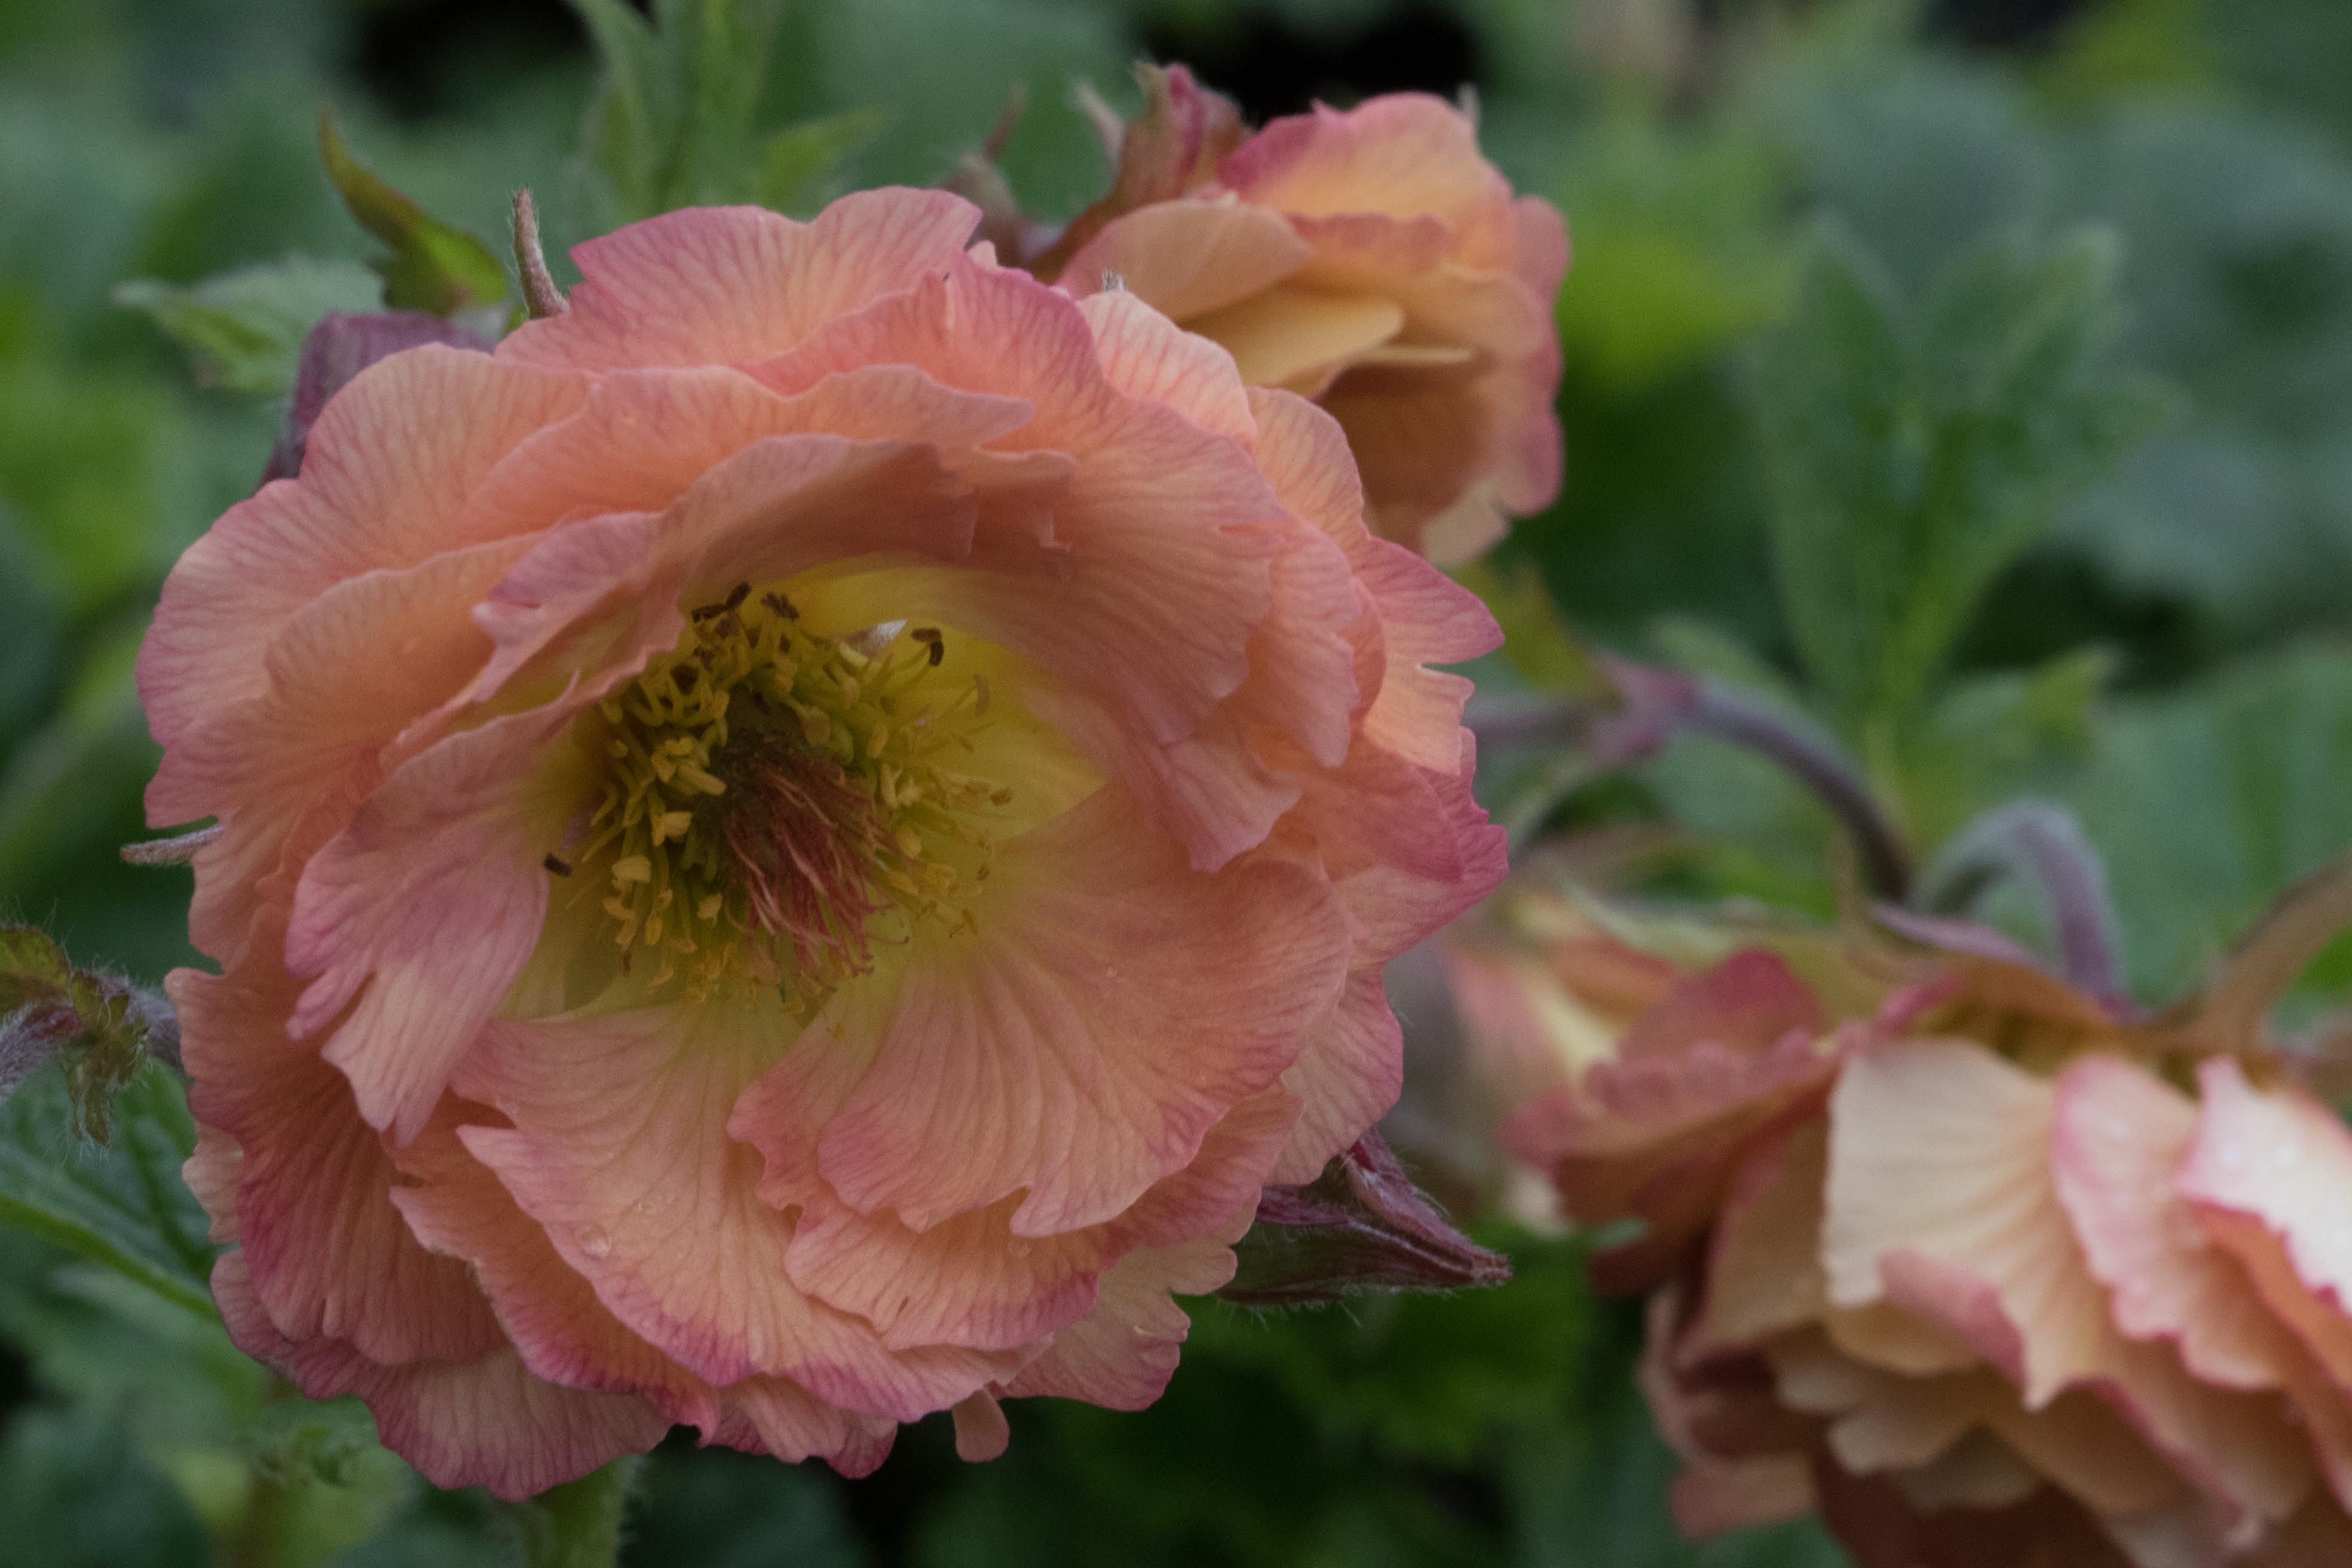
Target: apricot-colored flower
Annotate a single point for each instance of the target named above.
(796, 844)
(1369, 259)
(1974, 1278)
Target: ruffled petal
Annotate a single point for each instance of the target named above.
(419, 915)
(1298, 338)
(619, 1150)
(549, 1312)
(644, 438)
(593, 600)
(1161, 569)
(1940, 1150)
(969, 1280)
(2268, 1173)
(383, 484)
(1191, 256)
(1763, 1268)
(1941, 1199)
(329, 1255)
(284, 769)
(2121, 1134)
(483, 1422)
(1122, 1354)
(1404, 153)
(1148, 356)
(1053, 1061)
(732, 285)
(1726, 1047)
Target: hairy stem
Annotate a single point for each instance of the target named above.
(2040, 843)
(1654, 706)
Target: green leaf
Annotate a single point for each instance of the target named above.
(2208, 803)
(1992, 737)
(124, 1206)
(677, 101)
(1538, 641)
(799, 165)
(1910, 461)
(75, 1494)
(245, 328)
(1436, 1377)
(432, 267)
(578, 1524)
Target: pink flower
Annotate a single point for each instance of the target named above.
(1974, 1279)
(797, 843)
(1369, 259)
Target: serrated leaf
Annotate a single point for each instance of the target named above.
(2208, 803)
(432, 267)
(676, 100)
(245, 328)
(123, 1206)
(1910, 461)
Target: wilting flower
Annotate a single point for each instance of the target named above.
(1984, 1270)
(1371, 259)
(796, 846)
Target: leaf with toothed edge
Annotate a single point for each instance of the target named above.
(123, 1206)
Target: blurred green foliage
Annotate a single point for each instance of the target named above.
(1989, 409)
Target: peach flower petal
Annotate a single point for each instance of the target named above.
(2268, 1174)
(1146, 356)
(325, 1251)
(1121, 1355)
(1401, 152)
(389, 465)
(734, 285)
(1297, 339)
(672, 1233)
(419, 915)
(1941, 1200)
(1051, 1061)
(1191, 256)
(550, 1313)
(2120, 1136)
(482, 1422)
(298, 756)
(1763, 1270)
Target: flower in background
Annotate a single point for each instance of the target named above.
(796, 846)
(1985, 1270)
(1371, 260)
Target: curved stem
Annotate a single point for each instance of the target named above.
(1810, 757)
(2043, 842)
(1656, 705)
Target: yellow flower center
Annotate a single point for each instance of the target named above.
(773, 800)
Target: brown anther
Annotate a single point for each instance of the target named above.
(558, 865)
(780, 605)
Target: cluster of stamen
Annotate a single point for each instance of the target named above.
(773, 798)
